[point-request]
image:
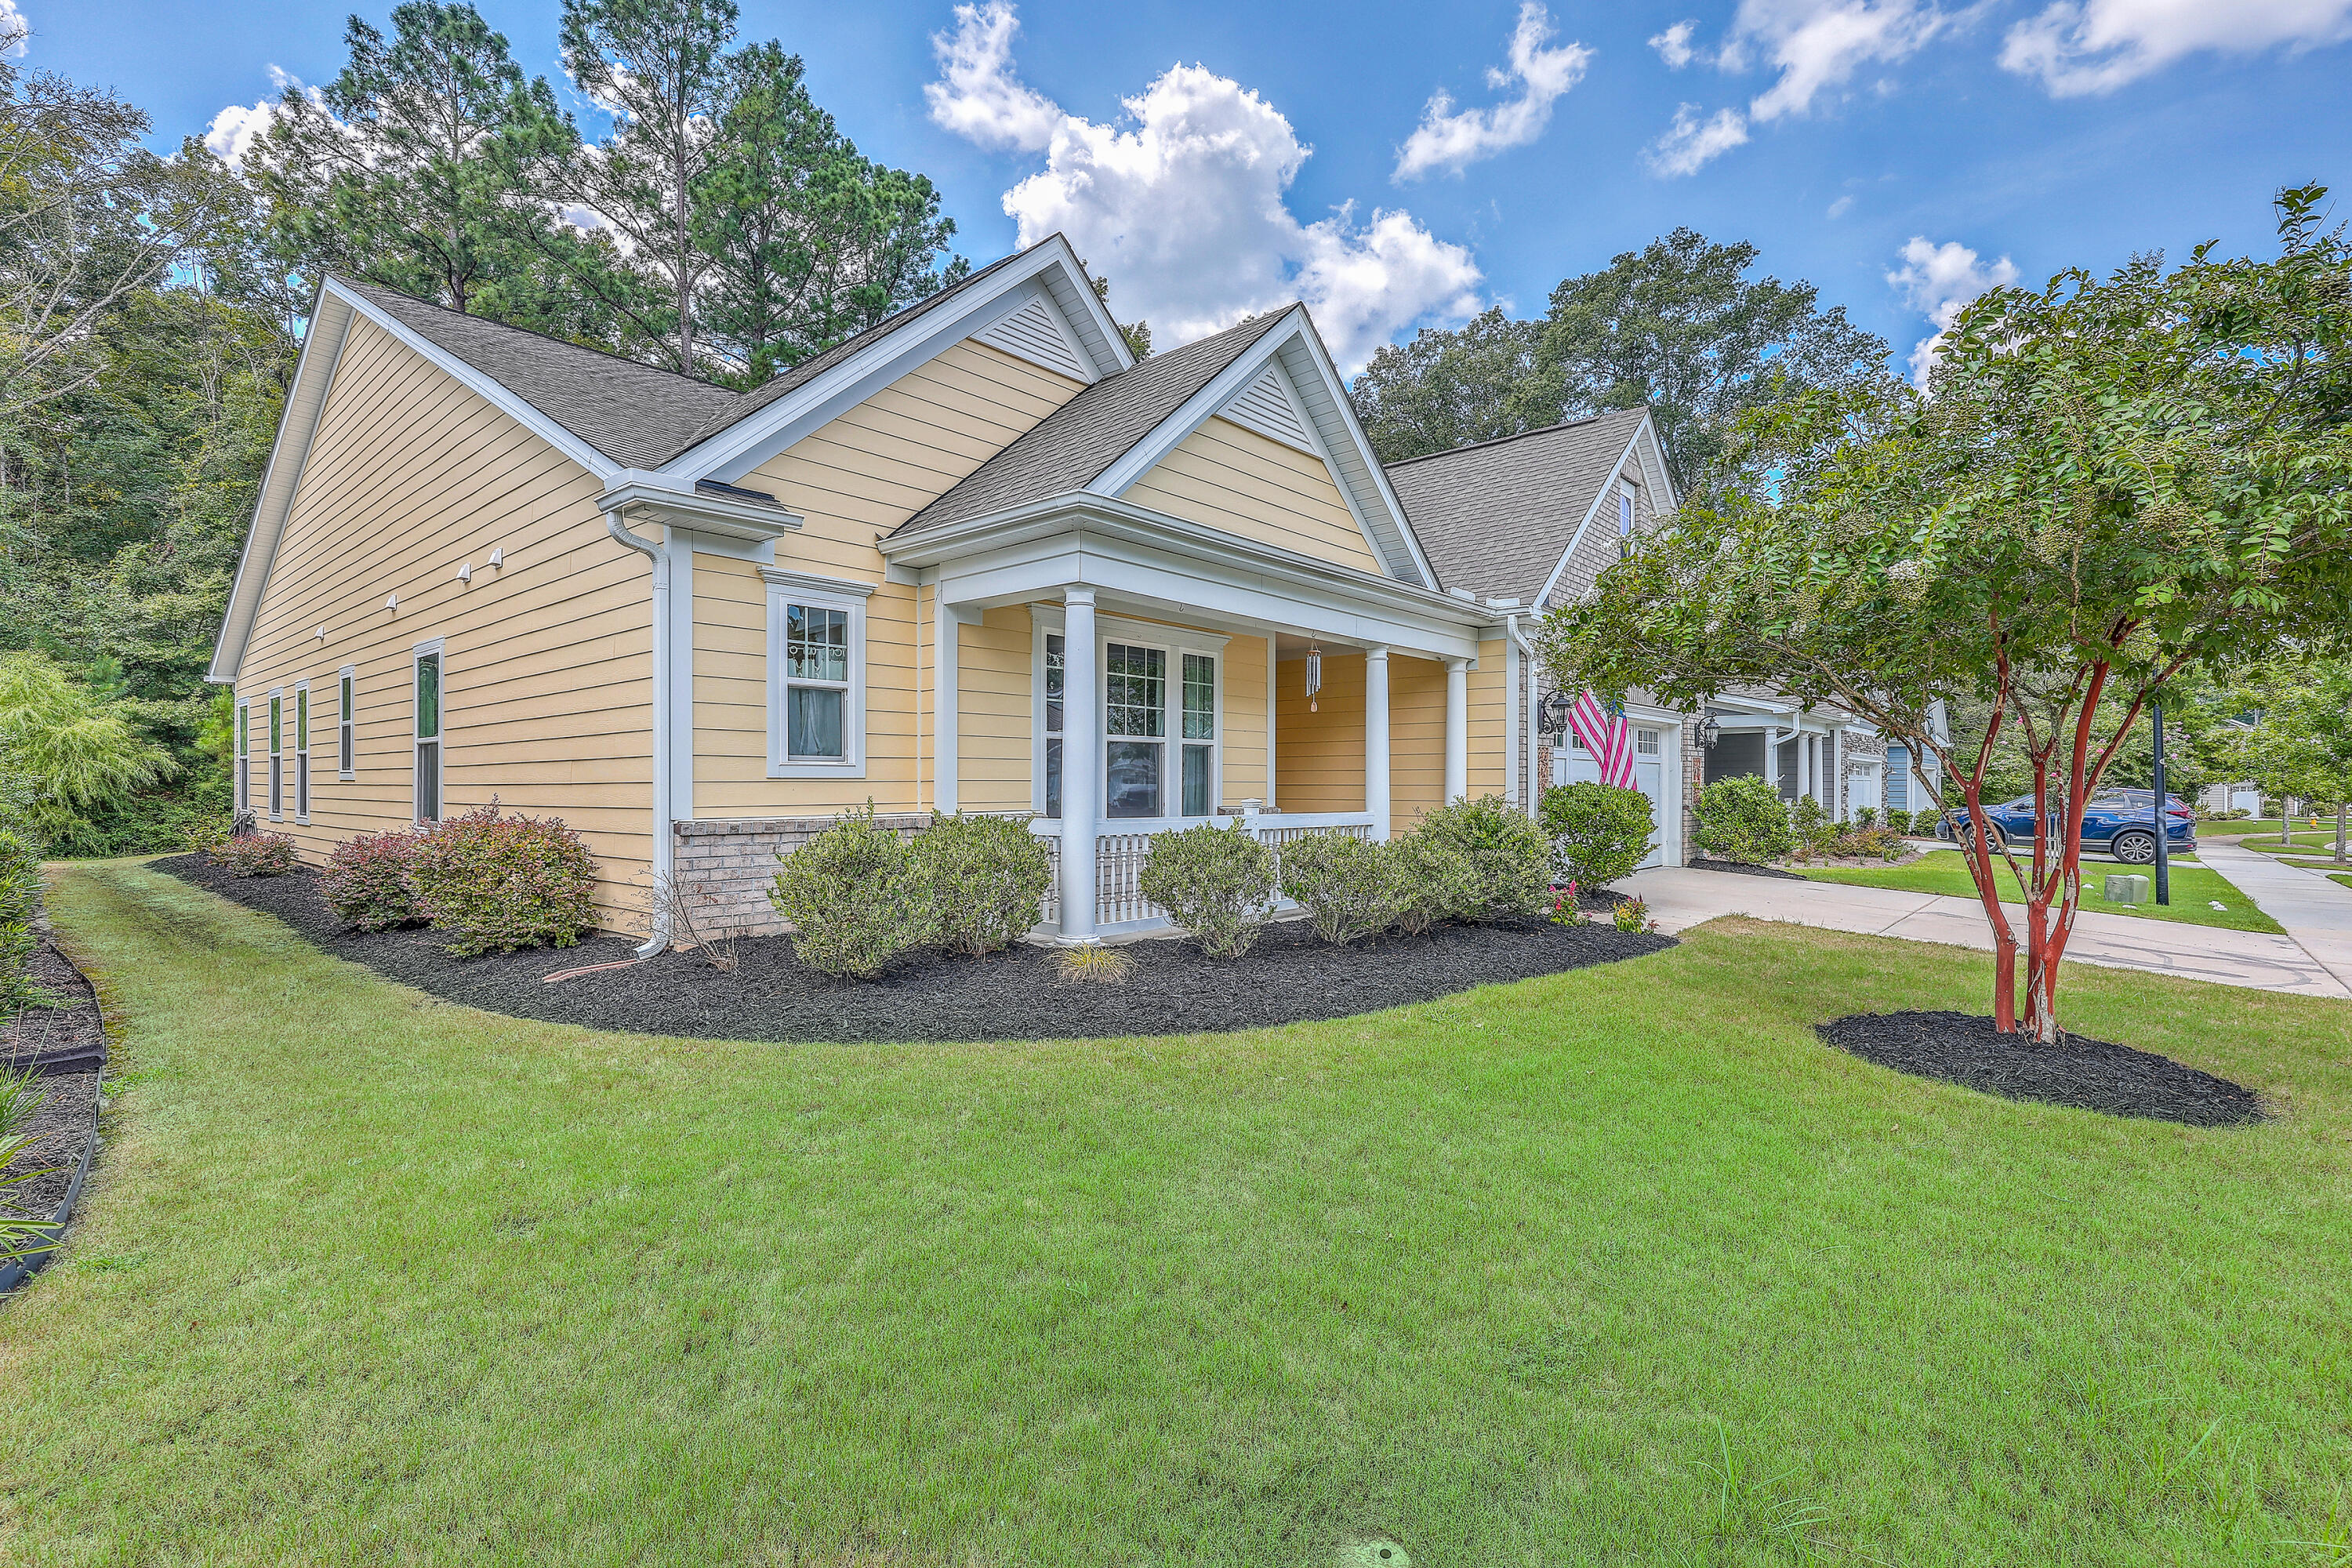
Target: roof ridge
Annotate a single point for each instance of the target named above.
(366, 285)
(1502, 440)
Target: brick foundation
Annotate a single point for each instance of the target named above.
(724, 867)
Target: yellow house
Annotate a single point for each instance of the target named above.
(978, 559)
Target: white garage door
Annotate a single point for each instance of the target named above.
(1574, 764)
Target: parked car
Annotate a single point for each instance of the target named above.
(2121, 822)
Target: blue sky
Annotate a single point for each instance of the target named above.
(1215, 160)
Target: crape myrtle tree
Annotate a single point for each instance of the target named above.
(2105, 482)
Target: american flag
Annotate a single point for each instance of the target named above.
(1605, 734)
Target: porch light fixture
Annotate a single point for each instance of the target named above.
(1555, 714)
(1709, 733)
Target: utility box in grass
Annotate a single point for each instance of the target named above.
(2126, 889)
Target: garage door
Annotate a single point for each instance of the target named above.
(1574, 764)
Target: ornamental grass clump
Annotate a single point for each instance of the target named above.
(987, 877)
(369, 883)
(1743, 820)
(1505, 867)
(853, 897)
(498, 883)
(1348, 887)
(256, 855)
(1215, 882)
(1598, 832)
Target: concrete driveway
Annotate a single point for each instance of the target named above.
(2314, 959)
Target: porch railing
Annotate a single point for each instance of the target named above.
(1120, 857)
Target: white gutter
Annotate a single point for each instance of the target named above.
(665, 859)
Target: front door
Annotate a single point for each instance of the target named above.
(1573, 763)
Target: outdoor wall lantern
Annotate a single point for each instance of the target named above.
(1555, 714)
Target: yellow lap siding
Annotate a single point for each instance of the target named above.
(993, 711)
(1416, 739)
(1489, 704)
(1319, 757)
(1243, 742)
(1237, 481)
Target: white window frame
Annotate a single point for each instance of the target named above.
(275, 717)
(786, 588)
(1174, 642)
(436, 649)
(244, 755)
(302, 753)
(1626, 520)
(347, 700)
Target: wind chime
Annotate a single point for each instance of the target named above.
(1314, 674)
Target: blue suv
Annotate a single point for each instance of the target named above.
(2121, 822)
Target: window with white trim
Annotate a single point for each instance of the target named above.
(1625, 520)
(1057, 672)
(1645, 742)
(346, 747)
(245, 756)
(428, 692)
(1135, 730)
(1163, 720)
(277, 757)
(302, 752)
(1200, 776)
(816, 677)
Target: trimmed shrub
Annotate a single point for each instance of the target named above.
(496, 883)
(987, 877)
(1598, 833)
(1924, 823)
(256, 855)
(1215, 882)
(1742, 820)
(1432, 879)
(853, 897)
(1506, 860)
(1810, 827)
(1348, 887)
(20, 904)
(368, 883)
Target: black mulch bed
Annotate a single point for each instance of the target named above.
(63, 1045)
(2089, 1075)
(1741, 868)
(64, 1038)
(1288, 977)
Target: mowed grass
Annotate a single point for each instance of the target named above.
(1619, 1265)
(2194, 889)
(2293, 844)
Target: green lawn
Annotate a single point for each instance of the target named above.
(2195, 888)
(2328, 864)
(2346, 881)
(2274, 845)
(2240, 826)
(1617, 1267)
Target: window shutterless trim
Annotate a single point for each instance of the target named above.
(1174, 641)
(244, 755)
(302, 753)
(277, 721)
(786, 589)
(347, 682)
(427, 766)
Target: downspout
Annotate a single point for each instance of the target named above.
(664, 849)
(1527, 699)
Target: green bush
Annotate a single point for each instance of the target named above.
(1742, 819)
(1923, 824)
(1598, 832)
(1433, 879)
(987, 876)
(1506, 860)
(1348, 887)
(20, 904)
(1865, 816)
(1215, 882)
(257, 855)
(1810, 827)
(368, 881)
(855, 898)
(498, 883)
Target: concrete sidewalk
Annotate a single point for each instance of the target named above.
(1680, 897)
(2316, 912)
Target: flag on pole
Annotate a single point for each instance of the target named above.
(1605, 734)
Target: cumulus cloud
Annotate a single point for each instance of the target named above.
(235, 129)
(1690, 143)
(2078, 47)
(1180, 203)
(1451, 139)
(1818, 45)
(1674, 45)
(1939, 280)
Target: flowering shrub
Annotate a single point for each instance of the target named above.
(1631, 915)
(854, 897)
(368, 883)
(256, 855)
(498, 883)
(1215, 882)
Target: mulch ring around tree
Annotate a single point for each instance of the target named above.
(1288, 977)
(2089, 1075)
(63, 1044)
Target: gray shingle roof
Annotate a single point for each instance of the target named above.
(1496, 518)
(1070, 448)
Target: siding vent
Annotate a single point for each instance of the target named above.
(1265, 406)
(1033, 332)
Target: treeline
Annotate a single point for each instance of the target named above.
(151, 311)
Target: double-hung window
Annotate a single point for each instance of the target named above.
(1057, 672)
(1161, 717)
(1200, 734)
(277, 757)
(302, 752)
(429, 732)
(245, 756)
(346, 752)
(816, 675)
(1624, 522)
(1135, 728)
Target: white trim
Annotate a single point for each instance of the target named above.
(1273, 694)
(1269, 407)
(302, 694)
(1608, 485)
(790, 588)
(947, 672)
(810, 582)
(1061, 352)
(1175, 642)
(275, 709)
(244, 756)
(347, 721)
(437, 649)
(645, 496)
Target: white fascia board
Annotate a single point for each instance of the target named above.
(636, 492)
(743, 446)
(1608, 487)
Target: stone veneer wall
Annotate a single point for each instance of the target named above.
(724, 867)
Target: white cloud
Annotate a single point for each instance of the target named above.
(1674, 45)
(1818, 45)
(1841, 206)
(1690, 143)
(1181, 203)
(977, 96)
(1939, 280)
(13, 23)
(2079, 46)
(235, 129)
(1450, 141)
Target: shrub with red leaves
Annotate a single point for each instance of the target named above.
(367, 880)
(256, 855)
(498, 883)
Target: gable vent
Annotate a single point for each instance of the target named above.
(1032, 333)
(1265, 406)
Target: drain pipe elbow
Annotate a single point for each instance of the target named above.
(664, 855)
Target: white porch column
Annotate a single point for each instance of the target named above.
(943, 706)
(1081, 762)
(1805, 764)
(1376, 739)
(1457, 730)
